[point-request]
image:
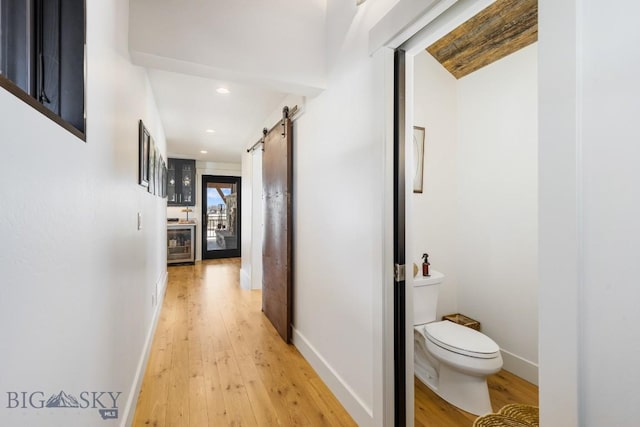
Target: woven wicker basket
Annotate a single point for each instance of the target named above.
(513, 415)
(525, 413)
(463, 320)
(497, 420)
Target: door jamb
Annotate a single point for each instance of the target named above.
(438, 20)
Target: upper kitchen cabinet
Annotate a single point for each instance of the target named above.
(181, 182)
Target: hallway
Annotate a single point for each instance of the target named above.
(217, 361)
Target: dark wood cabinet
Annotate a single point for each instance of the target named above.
(181, 182)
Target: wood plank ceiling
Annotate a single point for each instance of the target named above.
(497, 31)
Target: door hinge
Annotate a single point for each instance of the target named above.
(398, 272)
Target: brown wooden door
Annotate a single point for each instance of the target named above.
(277, 179)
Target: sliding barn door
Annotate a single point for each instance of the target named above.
(277, 179)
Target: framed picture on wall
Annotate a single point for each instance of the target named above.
(160, 163)
(152, 166)
(158, 171)
(165, 174)
(418, 158)
(160, 177)
(143, 155)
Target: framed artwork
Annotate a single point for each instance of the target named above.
(160, 180)
(418, 158)
(152, 166)
(152, 169)
(143, 155)
(159, 173)
(165, 174)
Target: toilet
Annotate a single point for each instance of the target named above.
(452, 360)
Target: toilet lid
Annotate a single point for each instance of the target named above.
(461, 339)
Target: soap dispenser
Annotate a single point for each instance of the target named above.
(425, 265)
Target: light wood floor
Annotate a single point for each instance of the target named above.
(217, 361)
(504, 388)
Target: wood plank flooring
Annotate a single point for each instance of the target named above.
(504, 388)
(217, 361)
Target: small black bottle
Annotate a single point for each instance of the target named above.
(425, 265)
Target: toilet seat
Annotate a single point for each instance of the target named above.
(461, 339)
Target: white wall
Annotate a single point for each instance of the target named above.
(338, 193)
(248, 217)
(497, 207)
(77, 275)
(252, 220)
(203, 168)
(611, 206)
(257, 219)
(589, 213)
(434, 222)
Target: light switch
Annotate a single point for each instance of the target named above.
(139, 221)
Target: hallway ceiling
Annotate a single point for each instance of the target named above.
(260, 51)
(190, 105)
(503, 28)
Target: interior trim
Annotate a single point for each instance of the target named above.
(132, 399)
(361, 413)
(14, 89)
(399, 243)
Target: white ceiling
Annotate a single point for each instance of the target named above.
(190, 105)
(260, 50)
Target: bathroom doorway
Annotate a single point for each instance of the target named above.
(476, 214)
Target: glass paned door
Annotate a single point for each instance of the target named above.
(187, 181)
(172, 195)
(220, 216)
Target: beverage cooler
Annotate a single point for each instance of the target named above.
(181, 243)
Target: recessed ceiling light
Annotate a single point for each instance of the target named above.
(210, 131)
(223, 90)
(204, 151)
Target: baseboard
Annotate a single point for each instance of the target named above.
(519, 366)
(352, 403)
(130, 407)
(245, 279)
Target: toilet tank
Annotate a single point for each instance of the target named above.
(425, 297)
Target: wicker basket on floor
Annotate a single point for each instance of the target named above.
(497, 420)
(513, 415)
(463, 320)
(525, 413)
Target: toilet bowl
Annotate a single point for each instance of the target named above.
(451, 359)
(454, 361)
